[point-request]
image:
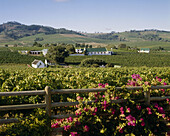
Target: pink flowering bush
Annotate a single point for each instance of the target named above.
(102, 117)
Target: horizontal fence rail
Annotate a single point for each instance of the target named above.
(48, 105)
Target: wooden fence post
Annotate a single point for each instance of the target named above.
(147, 97)
(48, 104)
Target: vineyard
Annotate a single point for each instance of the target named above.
(83, 78)
(129, 59)
(124, 59)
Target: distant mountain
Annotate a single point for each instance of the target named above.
(15, 30)
(133, 35)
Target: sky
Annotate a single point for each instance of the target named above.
(89, 15)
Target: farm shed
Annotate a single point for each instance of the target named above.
(44, 52)
(144, 50)
(38, 64)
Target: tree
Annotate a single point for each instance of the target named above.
(70, 48)
(37, 44)
(90, 46)
(57, 54)
(122, 46)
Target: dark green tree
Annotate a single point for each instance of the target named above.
(37, 44)
(70, 48)
(57, 54)
(122, 46)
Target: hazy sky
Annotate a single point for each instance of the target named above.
(89, 15)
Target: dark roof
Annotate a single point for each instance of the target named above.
(144, 49)
(35, 62)
(95, 49)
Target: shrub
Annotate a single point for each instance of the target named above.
(109, 65)
(33, 125)
(103, 117)
(90, 61)
(95, 65)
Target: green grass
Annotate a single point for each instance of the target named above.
(57, 38)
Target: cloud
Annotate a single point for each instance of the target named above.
(61, 0)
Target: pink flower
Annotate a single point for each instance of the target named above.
(106, 84)
(113, 111)
(149, 110)
(142, 123)
(156, 105)
(67, 127)
(163, 115)
(78, 97)
(121, 110)
(70, 119)
(100, 84)
(105, 105)
(161, 110)
(86, 110)
(103, 86)
(141, 119)
(132, 120)
(159, 79)
(138, 107)
(116, 98)
(128, 110)
(95, 109)
(74, 134)
(121, 130)
(146, 83)
(164, 83)
(86, 128)
(56, 125)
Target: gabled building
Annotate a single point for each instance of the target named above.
(144, 50)
(38, 64)
(98, 51)
(44, 52)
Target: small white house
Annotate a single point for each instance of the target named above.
(44, 52)
(144, 50)
(38, 64)
(79, 50)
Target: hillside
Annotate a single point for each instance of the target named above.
(134, 35)
(11, 31)
(16, 33)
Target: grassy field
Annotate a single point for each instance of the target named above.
(71, 38)
(56, 38)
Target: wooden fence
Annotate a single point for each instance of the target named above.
(48, 105)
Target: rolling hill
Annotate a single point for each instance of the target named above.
(16, 33)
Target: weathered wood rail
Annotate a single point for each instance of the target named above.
(48, 105)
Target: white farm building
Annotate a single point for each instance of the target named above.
(38, 64)
(144, 50)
